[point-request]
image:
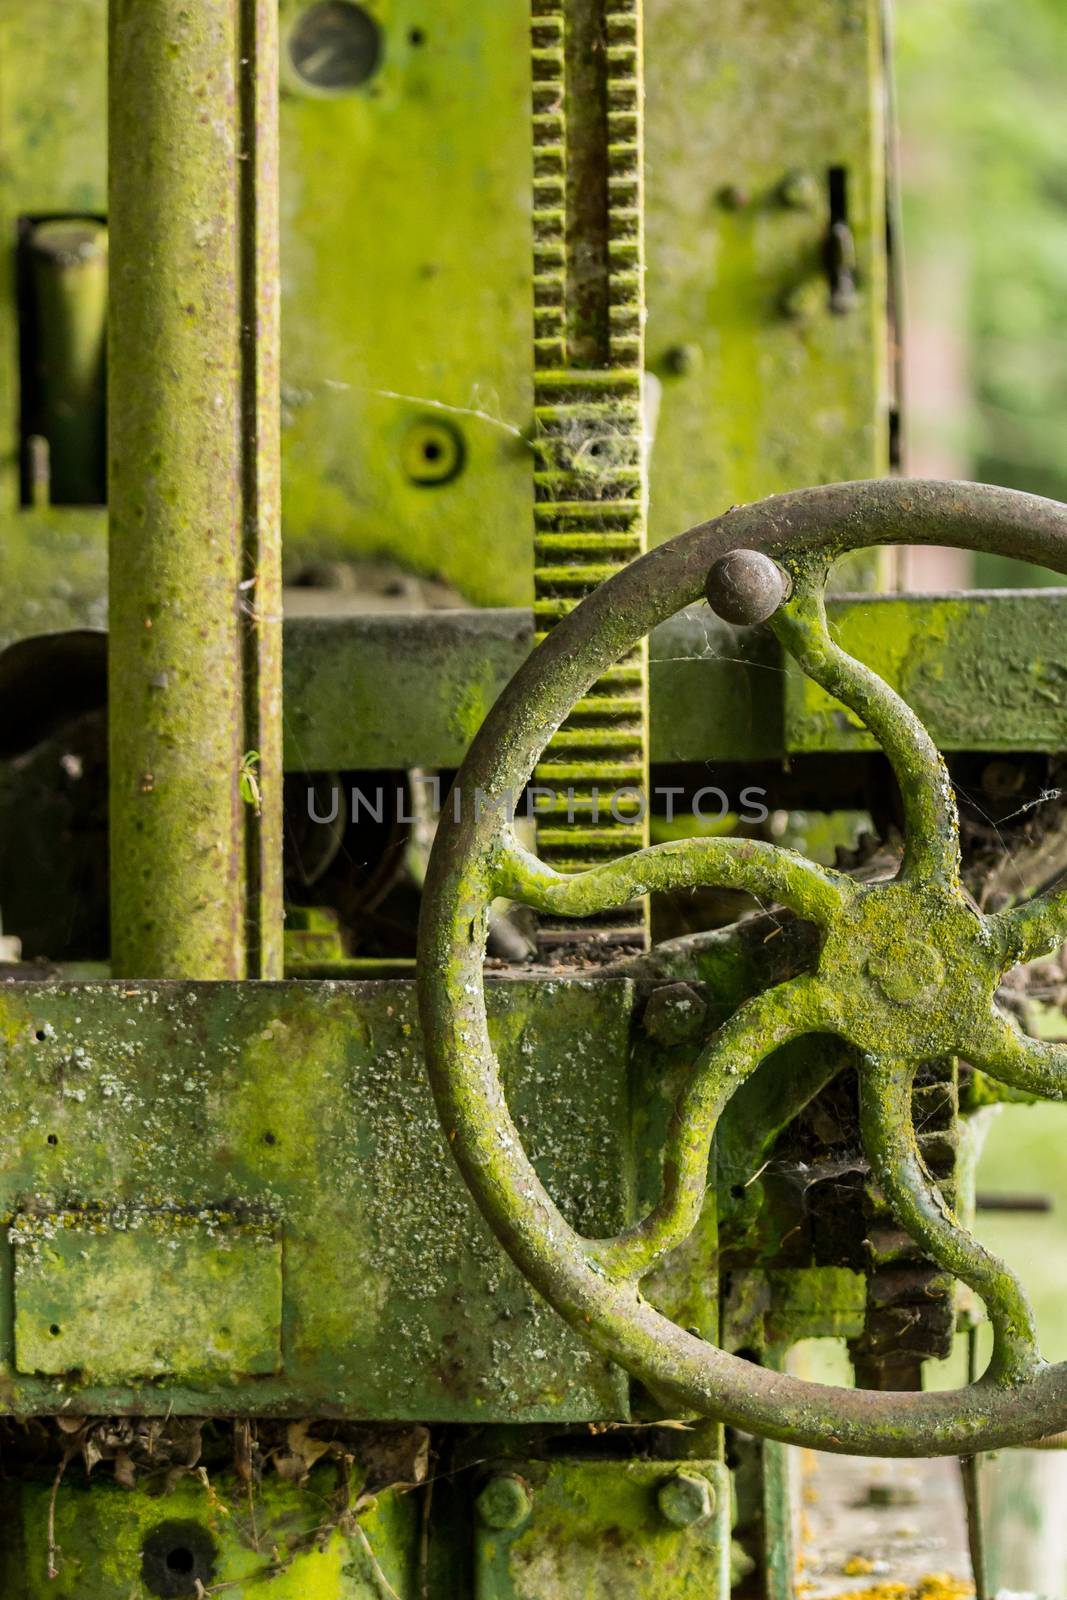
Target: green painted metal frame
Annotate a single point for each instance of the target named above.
(152, 1127)
(907, 969)
(323, 1539)
(748, 111)
(599, 1528)
(716, 691)
(382, 343)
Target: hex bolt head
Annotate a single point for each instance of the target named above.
(674, 1013)
(746, 587)
(685, 1499)
(505, 1502)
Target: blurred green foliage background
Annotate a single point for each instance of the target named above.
(982, 111)
(983, 117)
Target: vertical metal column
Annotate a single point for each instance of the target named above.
(591, 481)
(195, 626)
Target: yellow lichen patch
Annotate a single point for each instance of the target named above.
(859, 1567)
(881, 1591)
(938, 1586)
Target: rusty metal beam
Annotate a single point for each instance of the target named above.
(195, 643)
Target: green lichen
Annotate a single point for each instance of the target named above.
(906, 969)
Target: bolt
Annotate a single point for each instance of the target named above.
(745, 586)
(685, 1499)
(674, 1013)
(504, 1502)
(681, 359)
(732, 197)
(798, 191)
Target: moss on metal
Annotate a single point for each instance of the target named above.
(195, 557)
(91, 1539)
(215, 1115)
(382, 343)
(599, 1527)
(907, 969)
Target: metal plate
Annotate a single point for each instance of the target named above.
(146, 1295)
(274, 1537)
(718, 693)
(765, 388)
(596, 1532)
(307, 1102)
(984, 671)
(396, 194)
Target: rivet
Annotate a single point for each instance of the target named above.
(805, 300)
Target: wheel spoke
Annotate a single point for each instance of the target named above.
(1037, 1066)
(1035, 929)
(767, 871)
(931, 847)
(918, 1205)
(759, 1027)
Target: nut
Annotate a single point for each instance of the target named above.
(686, 1499)
(674, 1013)
(504, 1502)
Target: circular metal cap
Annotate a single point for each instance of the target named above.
(745, 586)
(505, 1501)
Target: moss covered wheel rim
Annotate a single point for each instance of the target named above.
(907, 969)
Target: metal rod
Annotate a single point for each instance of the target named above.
(68, 262)
(1039, 1204)
(971, 1479)
(195, 652)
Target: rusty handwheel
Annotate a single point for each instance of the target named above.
(908, 969)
